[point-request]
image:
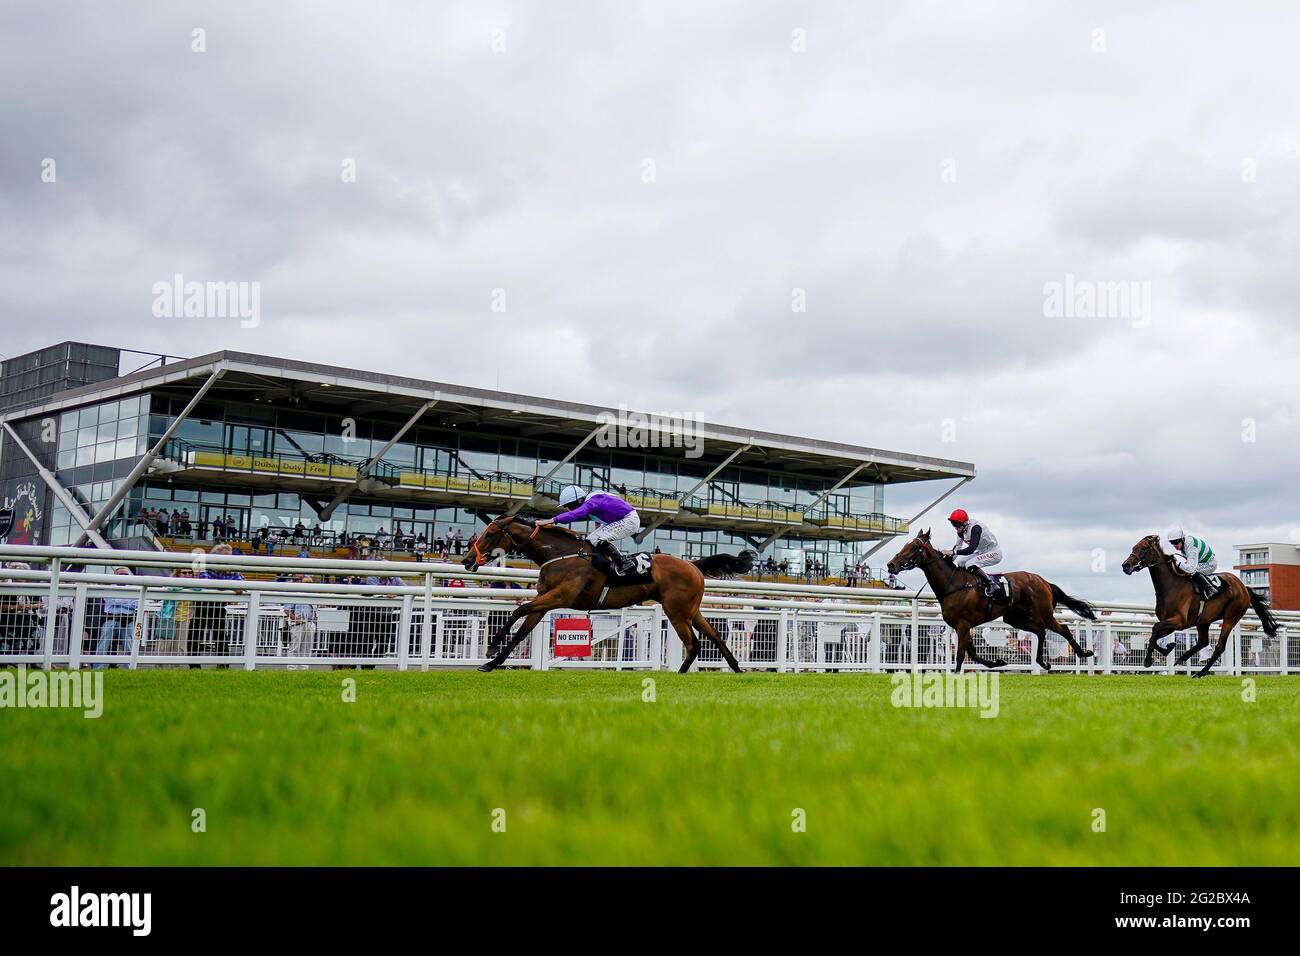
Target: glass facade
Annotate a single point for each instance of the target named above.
(96, 449)
(98, 444)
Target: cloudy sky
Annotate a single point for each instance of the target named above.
(831, 219)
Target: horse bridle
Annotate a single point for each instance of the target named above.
(480, 558)
(911, 563)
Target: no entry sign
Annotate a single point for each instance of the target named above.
(572, 637)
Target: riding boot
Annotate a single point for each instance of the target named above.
(616, 557)
(1203, 586)
(986, 582)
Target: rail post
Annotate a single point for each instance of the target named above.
(426, 623)
(674, 650)
(75, 628)
(541, 642)
(782, 641)
(250, 630)
(404, 633)
(51, 615)
(137, 629)
(439, 637)
(657, 639)
(916, 634)
(873, 652)
(1107, 643)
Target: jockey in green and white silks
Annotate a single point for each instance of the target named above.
(1192, 556)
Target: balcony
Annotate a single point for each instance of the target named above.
(392, 482)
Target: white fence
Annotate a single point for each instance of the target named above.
(156, 617)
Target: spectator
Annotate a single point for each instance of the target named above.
(118, 623)
(172, 622)
(301, 624)
(458, 543)
(421, 546)
(208, 624)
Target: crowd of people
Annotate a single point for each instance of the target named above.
(265, 539)
(177, 625)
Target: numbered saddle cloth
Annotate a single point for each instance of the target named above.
(638, 574)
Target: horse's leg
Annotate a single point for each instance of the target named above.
(552, 600)
(990, 663)
(1202, 640)
(530, 622)
(504, 630)
(966, 648)
(1160, 629)
(1040, 655)
(683, 629)
(1229, 621)
(1080, 651)
(711, 633)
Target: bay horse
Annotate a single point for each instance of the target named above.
(964, 605)
(570, 579)
(1179, 606)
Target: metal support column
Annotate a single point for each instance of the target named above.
(364, 470)
(65, 498)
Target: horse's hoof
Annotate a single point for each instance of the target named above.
(1086, 654)
(489, 666)
(994, 665)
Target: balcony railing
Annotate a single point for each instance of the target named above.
(506, 486)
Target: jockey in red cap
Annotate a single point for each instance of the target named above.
(976, 548)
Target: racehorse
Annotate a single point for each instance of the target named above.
(570, 578)
(964, 606)
(1178, 606)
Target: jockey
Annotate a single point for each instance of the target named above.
(617, 518)
(1192, 556)
(976, 548)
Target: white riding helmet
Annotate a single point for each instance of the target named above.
(1175, 533)
(570, 494)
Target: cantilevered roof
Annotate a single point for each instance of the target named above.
(247, 376)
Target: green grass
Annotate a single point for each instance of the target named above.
(710, 773)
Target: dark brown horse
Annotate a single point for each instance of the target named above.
(570, 579)
(964, 606)
(1178, 606)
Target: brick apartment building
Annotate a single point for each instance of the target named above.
(1274, 571)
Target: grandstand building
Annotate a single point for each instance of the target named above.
(260, 442)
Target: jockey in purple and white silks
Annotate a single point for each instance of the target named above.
(617, 518)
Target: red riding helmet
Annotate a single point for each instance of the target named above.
(959, 516)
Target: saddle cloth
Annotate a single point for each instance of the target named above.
(640, 573)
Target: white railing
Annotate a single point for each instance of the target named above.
(155, 618)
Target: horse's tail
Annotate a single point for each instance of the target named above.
(1081, 608)
(717, 564)
(1260, 604)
